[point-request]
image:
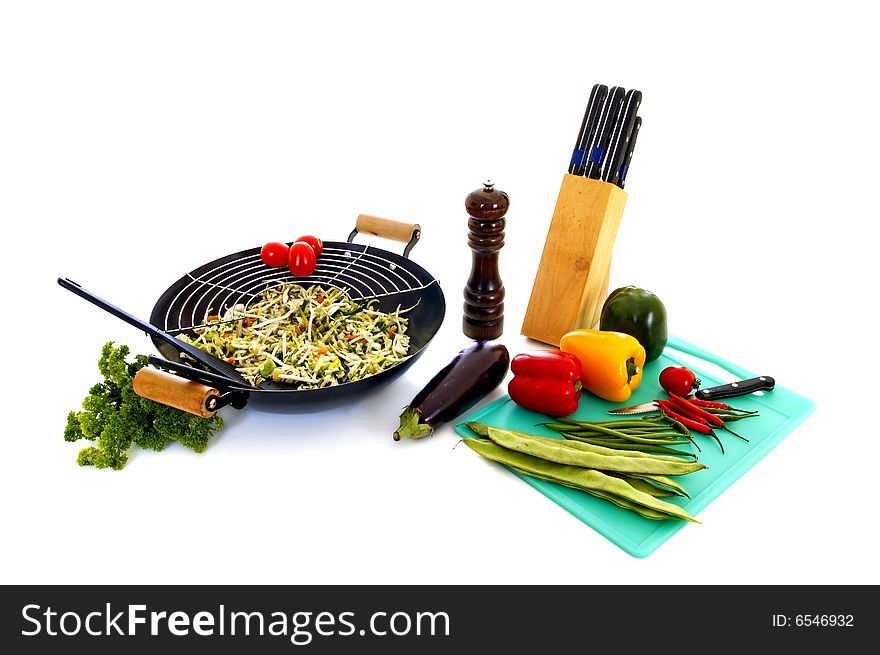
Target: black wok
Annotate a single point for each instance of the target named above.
(363, 271)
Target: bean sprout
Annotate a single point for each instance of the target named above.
(308, 337)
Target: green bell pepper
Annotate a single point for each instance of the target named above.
(640, 314)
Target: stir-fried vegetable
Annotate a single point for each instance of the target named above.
(311, 337)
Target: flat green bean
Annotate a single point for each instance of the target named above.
(617, 500)
(646, 486)
(483, 430)
(557, 450)
(585, 479)
(663, 481)
(609, 450)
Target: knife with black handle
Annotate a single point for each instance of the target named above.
(628, 155)
(599, 142)
(588, 127)
(617, 146)
(741, 388)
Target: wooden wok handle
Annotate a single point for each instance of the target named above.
(169, 389)
(387, 228)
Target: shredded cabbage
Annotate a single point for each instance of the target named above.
(310, 337)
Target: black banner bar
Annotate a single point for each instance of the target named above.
(429, 619)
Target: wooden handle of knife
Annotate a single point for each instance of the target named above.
(169, 389)
(386, 227)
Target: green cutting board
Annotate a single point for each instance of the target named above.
(780, 412)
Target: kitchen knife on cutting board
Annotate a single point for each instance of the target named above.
(740, 388)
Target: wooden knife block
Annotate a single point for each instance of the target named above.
(571, 284)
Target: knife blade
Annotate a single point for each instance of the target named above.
(644, 408)
(740, 388)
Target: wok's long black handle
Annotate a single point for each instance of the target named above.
(741, 388)
(149, 328)
(217, 365)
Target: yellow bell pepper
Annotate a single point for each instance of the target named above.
(611, 362)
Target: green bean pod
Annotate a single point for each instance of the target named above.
(617, 500)
(559, 451)
(483, 430)
(588, 480)
(662, 481)
(646, 486)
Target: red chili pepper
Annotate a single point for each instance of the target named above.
(716, 405)
(666, 406)
(702, 428)
(708, 403)
(546, 381)
(683, 411)
(696, 412)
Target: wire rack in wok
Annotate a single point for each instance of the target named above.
(362, 272)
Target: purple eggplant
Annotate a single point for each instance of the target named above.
(458, 386)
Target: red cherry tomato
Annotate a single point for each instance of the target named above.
(678, 380)
(275, 254)
(302, 259)
(316, 244)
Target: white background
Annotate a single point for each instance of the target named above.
(139, 140)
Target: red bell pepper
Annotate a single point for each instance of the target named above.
(546, 381)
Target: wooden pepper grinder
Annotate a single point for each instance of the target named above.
(484, 292)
